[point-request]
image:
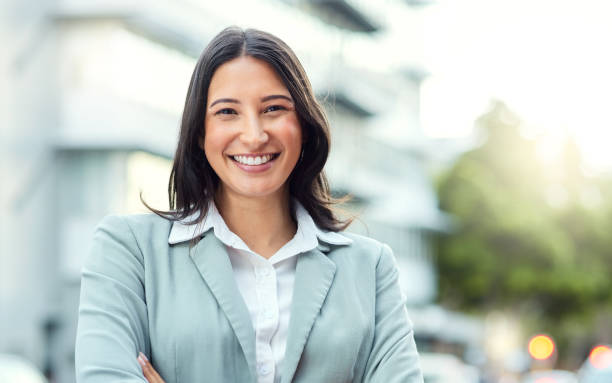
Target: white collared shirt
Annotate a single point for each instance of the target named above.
(266, 285)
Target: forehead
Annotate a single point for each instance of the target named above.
(244, 76)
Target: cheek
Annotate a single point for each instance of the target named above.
(290, 132)
(214, 142)
(208, 146)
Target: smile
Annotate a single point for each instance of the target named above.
(253, 160)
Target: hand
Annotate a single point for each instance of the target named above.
(147, 369)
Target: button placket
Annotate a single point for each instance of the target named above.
(267, 319)
(266, 292)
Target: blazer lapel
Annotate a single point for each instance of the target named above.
(313, 277)
(211, 259)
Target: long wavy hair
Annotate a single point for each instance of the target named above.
(193, 181)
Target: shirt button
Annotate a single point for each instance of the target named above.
(264, 369)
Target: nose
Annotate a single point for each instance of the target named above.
(253, 133)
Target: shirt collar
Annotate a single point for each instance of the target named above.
(182, 231)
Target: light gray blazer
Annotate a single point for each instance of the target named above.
(183, 309)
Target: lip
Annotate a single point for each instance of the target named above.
(253, 154)
(254, 168)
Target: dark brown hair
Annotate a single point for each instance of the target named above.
(193, 181)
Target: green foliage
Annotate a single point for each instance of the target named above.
(525, 237)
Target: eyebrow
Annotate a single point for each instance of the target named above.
(230, 100)
(263, 99)
(275, 96)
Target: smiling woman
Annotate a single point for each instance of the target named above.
(249, 276)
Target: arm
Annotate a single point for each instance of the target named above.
(393, 357)
(112, 326)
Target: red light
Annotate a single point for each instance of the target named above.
(601, 357)
(541, 347)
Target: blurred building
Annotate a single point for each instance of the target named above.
(92, 93)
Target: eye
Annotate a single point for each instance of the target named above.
(274, 108)
(226, 111)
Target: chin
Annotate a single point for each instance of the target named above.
(258, 191)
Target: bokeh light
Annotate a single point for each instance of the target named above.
(546, 380)
(541, 347)
(601, 357)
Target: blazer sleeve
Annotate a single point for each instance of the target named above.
(393, 357)
(112, 325)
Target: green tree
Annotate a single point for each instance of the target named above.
(529, 237)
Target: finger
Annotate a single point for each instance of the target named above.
(147, 369)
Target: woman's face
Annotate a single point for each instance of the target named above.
(252, 135)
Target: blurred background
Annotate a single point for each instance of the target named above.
(473, 135)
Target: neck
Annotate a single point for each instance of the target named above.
(264, 224)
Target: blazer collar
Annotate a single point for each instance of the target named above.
(210, 258)
(182, 231)
(313, 277)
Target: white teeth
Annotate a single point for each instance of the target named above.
(258, 160)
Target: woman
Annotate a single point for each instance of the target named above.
(247, 278)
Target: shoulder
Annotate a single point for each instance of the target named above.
(125, 239)
(364, 249)
(136, 223)
(137, 228)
